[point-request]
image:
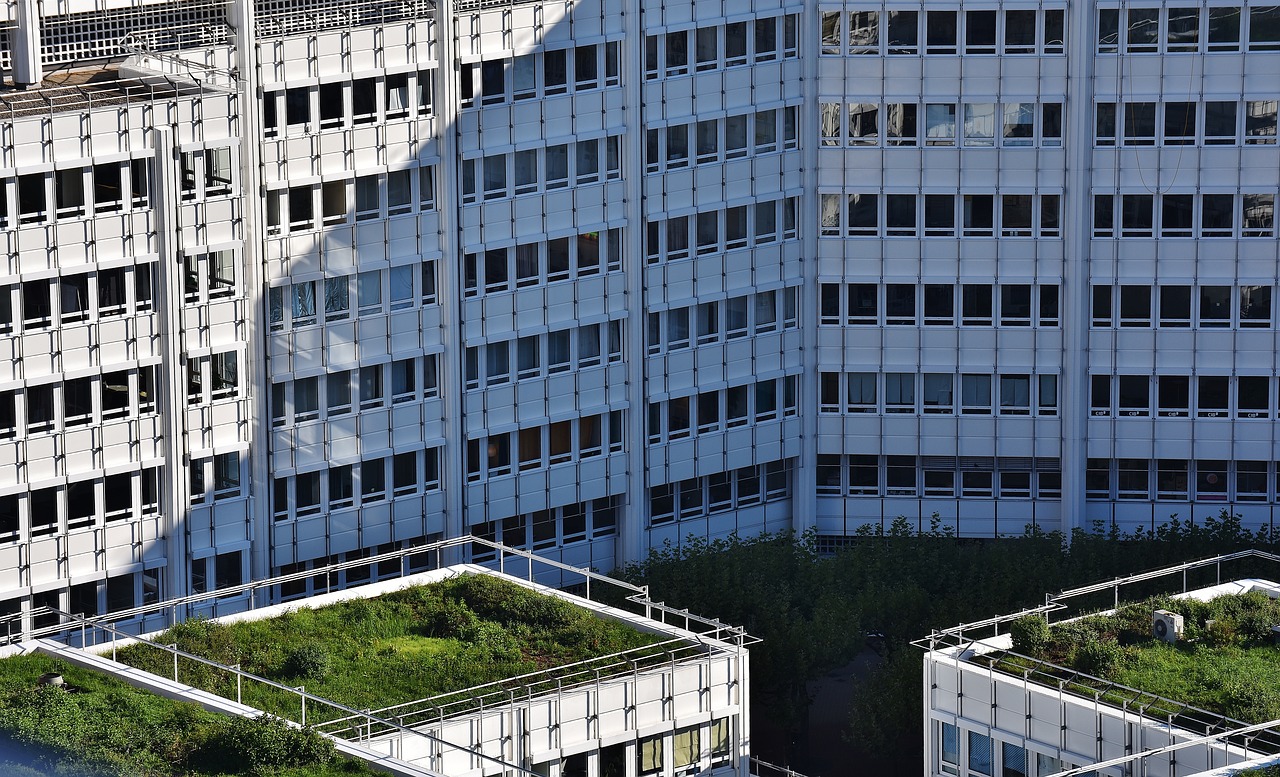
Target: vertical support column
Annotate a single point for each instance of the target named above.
(28, 69)
(241, 19)
(175, 498)
(804, 492)
(450, 199)
(632, 544)
(1077, 203)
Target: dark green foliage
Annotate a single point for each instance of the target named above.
(309, 661)
(905, 579)
(1030, 634)
(408, 644)
(1097, 658)
(259, 746)
(108, 729)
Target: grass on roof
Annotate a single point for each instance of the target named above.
(105, 727)
(1226, 661)
(402, 646)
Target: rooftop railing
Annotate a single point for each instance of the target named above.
(241, 677)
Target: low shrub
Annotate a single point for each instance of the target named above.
(1031, 635)
(309, 661)
(260, 745)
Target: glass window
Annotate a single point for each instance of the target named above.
(903, 32)
(1183, 29)
(650, 752)
(940, 32)
(864, 32)
(1224, 29)
(976, 394)
(685, 747)
(1143, 29)
(940, 124)
(980, 32)
(863, 124)
(1264, 28)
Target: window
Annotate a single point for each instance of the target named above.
(1179, 124)
(903, 32)
(1020, 32)
(939, 304)
(831, 33)
(980, 32)
(721, 749)
(900, 392)
(950, 749)
(1260, 122)
(1171, 479)
(1097, 479)
(938, 393)
(1015, 394)
(371, 387)
(1133, 479)
(1215, 306)
(1212, 396)
(863, 124)
(976, 394)
(900, 124)
(650, 754)
(979, 121)
(1137, 215)
(1264, 28)
(1173, 395)
(1251, 481)
(1253, 397)
(1105, 124)
(979, 215)
(225, 373)
(226, 475)
(685, 747)
(940, 32)
(1015, 305)
(940, 123)
(976, 305)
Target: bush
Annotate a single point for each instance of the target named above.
(261, 745)
(307, 661)
(1030, 635)
(1221, 633)
(1098, 658)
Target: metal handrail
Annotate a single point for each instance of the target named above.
(186, 603)
(1057, 602)
(302, 694)
(783, 771)
(1063, 675)
(591, 670)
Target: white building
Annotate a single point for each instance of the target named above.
(983, 719)
(290, 284)
(675, 707)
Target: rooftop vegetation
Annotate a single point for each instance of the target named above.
(402, 646)
(1226, 661)
(96, 725)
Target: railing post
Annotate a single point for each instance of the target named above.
(302, 692)
(174, 648)
(238, 680)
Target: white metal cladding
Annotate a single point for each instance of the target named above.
(593, 277)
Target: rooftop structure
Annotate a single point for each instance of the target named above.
(676, 703)
(284, 285)
(992, 702)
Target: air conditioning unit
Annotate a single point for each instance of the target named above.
(1166, 625)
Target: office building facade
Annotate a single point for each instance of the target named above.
(290, 284)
